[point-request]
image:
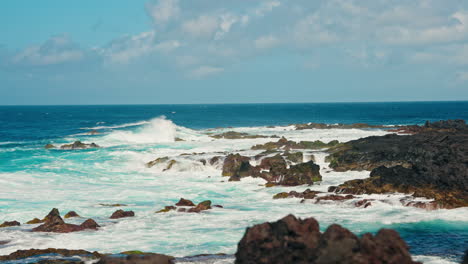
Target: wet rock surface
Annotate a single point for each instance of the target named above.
(71, 214)
(54, 223)
(273, 169)
(10, 224)
(284, 144)
(432, 164)
(79, 145)
(237, 135)
(121, 214)
(292, 240)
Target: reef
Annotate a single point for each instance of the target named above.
(79, 145)
(432, 163)
(273, 169)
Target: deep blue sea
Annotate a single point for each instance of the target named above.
(33, 180)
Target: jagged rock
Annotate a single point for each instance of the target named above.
(121, 214)
(431, 164)
(184, 202)
(79, 145)
(54, 223)
(178, 139)
(236, 165)
(292, 240)
(303, 173)
(294, 157)
(71, 214)
(363, 203)
(170, 164)
(10, 224)
(214, 160)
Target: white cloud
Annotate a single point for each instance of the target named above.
(204, 71)
(266, 42)
(163, 11)
(56, 50)
(310, 31)
(128, 48)
(203, 26)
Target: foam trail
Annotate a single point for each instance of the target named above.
(157, 130)
(118, 126)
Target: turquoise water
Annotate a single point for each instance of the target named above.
(33, 180)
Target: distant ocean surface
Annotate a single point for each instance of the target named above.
(34, 180)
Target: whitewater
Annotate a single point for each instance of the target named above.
(86, 180)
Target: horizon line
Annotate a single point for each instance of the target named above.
(327, 102)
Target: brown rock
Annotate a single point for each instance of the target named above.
(22, 254)
(34, 221)
(90, 224)
(184, 202)
(166, 209)
(121, 214)
(146, 258)
(292, 240)
(10, 224)
(71, 214)
(205, 205)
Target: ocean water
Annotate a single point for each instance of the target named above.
(34, 180)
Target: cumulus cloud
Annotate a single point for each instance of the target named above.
(202, 26)
(128, 48)
(56, 50)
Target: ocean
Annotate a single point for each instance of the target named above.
(33, 180)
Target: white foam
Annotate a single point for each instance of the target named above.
(116, 126)
(157, 130)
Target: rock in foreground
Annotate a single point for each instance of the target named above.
(292, 240)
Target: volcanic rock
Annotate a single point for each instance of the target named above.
(292, 240)
(184, 202)
(121, 214)
(10, 224)
(71, 214)
(79, 145)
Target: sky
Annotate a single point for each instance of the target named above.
(224, 51)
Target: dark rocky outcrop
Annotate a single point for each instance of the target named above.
(164, 160)
(121, 214)
(184, 202)
(49, 146)
(236, 165)
(203, 206)
(71, 214)
(34, 221)
(273, 169)
(284, 144)
(236, 135)
(10, 224)
(166, 209)
(54, 223)
(145, 258)
(292, 240)
(432, 163)
(307, 194)
(79, 145)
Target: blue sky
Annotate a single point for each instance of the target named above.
(223, 51)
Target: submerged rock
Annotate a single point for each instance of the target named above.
(79, 145)
(22, 254)
(10, 224)
(237, 135)
(307, 194)
(157, 161)
(49, 146)
(121, 214)
(166, 209)
(292, 240)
